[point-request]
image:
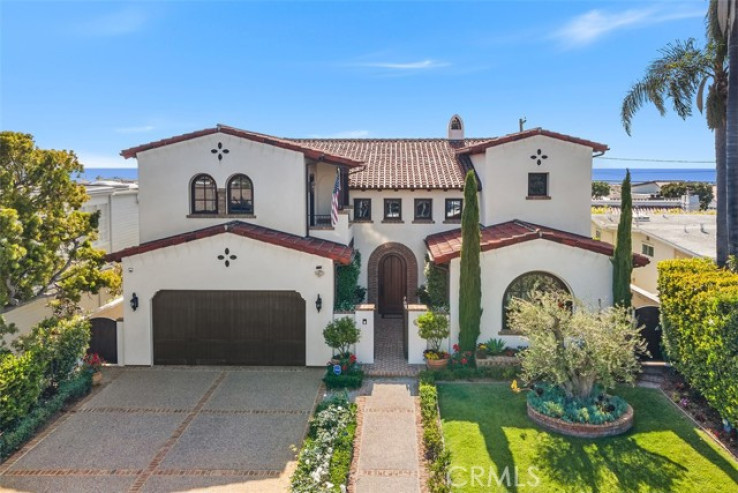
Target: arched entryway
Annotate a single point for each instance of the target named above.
(392, 284)
(393, 276)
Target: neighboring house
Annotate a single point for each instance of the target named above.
(648, 187)
(117, 229)
(238, 252)
(659, 236)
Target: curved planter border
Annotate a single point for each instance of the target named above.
(583, 430)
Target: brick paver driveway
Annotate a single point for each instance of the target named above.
(174, 429)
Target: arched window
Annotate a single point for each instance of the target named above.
(204, 195)
(528, 283)
(240, 195)
(455, 123)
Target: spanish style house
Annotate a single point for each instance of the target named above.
(238, 248)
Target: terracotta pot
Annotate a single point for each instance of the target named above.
(96, 378)
(437, 364)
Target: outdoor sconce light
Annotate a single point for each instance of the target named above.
(134, 302)
(319, 271)
(319, 303)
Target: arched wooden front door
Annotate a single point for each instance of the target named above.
(392, 284)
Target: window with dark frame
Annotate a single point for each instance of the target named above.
(240, 195)
(647, 249)
(525, 286)
(393, 209)
(453, 209)
(362, 209)
(204, 195)
(537, 184)
(423, 209)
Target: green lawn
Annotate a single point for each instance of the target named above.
(486, 428)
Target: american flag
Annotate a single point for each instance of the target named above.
(334, 199)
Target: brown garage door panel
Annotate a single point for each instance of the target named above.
(229, 328)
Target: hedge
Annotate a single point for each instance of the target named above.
(699, 318)
(21, 384)
(438, 458)
(69, 390)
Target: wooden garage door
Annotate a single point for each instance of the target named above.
(229, 328)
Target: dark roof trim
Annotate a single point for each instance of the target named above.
(261, 138)
(477, 148)
(323, 248)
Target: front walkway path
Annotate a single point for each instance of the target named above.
(389, 357)
(388, 446)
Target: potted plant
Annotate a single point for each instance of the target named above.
(433, 327)
(482, 351)
(93, 364)
(340, 335)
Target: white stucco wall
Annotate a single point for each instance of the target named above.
(194, 265)
(369, 236)
(505, 184)
(124, 220)
(587, 274)
(278, 176)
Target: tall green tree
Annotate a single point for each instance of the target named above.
(470, 290)
(681, 75)
(45, 240)
(622, 259)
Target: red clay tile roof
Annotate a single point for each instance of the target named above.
(447, 245)
(266, 139)
(334, 251)
(400, 163)
(480, 147)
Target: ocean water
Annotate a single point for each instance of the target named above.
(611, 175)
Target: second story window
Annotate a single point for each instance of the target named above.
(240, 195)
(392, 209)
(453, 209)
(647, 249)
(362, 209)
(204, 195)
(423, 209)
(538, 185)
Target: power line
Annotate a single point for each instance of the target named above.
(683, 161)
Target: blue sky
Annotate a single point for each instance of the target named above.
(98, 77)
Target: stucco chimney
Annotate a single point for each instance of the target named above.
(456, 128)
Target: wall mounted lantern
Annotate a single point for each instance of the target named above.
(319, 271)
(134, 302)
(319, 303)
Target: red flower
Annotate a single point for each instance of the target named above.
(463, 361)
(456, 347)
(343, 368)
(352, 358)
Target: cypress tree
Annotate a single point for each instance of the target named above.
(470, 290)
(622, 259)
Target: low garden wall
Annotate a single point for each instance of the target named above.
(583, 430)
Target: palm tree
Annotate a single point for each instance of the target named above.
(725, 13)
(681, 75)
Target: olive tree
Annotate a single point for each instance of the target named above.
(574, 347)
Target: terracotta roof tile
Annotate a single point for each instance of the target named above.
(479, 147)
(447, 245)
(334, 251)
(312, 153)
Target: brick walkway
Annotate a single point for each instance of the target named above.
(388, 444)
(389, 358)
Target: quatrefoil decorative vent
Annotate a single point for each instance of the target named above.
(538, 157)
(227, 257)
(220, 151)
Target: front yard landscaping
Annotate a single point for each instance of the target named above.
(495, 447)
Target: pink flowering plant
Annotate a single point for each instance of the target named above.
(461, 359)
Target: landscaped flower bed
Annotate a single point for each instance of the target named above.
(325, 458)
(348, 376)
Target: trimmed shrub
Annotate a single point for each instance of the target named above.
(21, 384)
(341, 334)
(699, 318)
(438, 458)
(352, 378)
(482, 373)
(70, 390)
(435, 293)
(325, 458)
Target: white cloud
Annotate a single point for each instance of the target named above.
(95, 160)
(593, 25)
(419, 65)
(115, 23)
(135, 130)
